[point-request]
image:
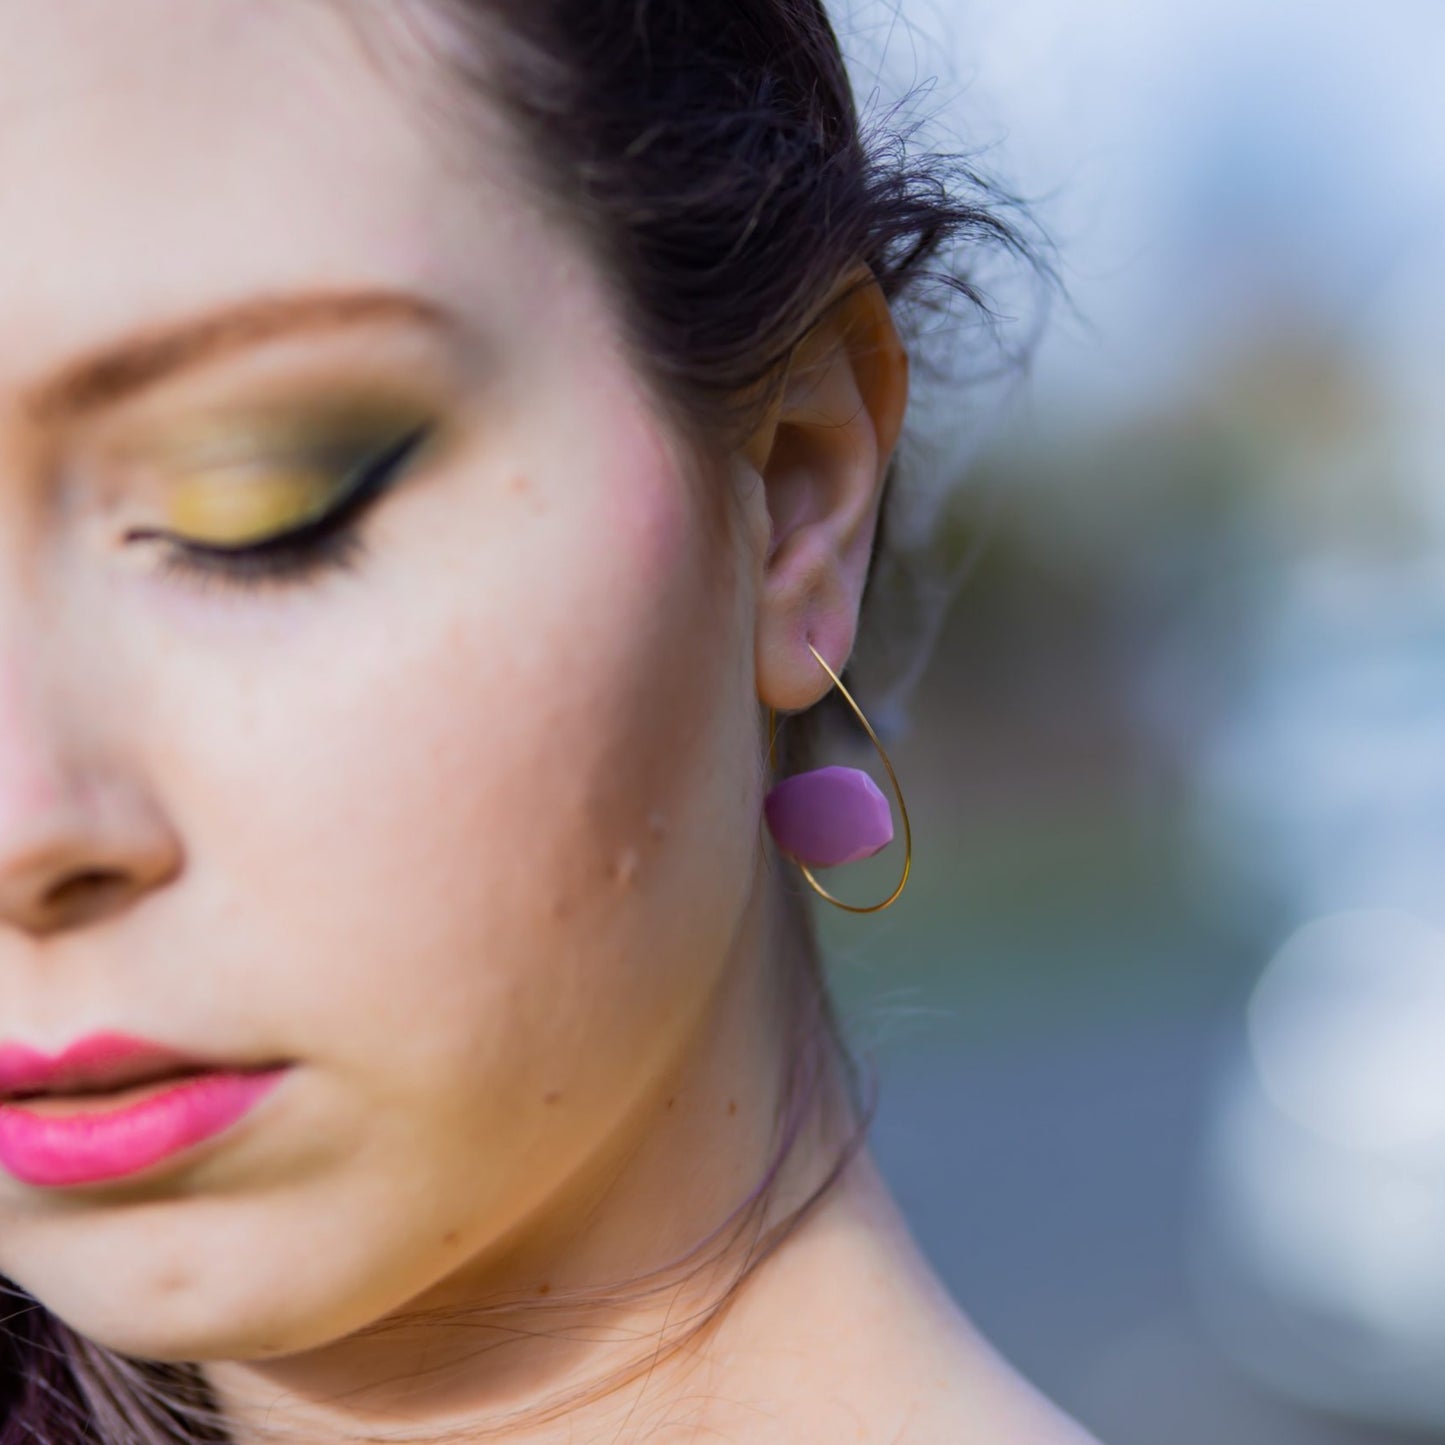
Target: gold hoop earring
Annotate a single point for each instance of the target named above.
(863, 777)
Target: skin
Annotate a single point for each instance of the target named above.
(470, 832)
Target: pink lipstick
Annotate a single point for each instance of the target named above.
(112, 1105)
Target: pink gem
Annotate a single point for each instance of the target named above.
(829, 816)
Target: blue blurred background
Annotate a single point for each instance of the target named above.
(1160, 1021)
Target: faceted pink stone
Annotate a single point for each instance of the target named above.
(829, 816)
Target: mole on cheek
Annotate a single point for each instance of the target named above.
(520, 485)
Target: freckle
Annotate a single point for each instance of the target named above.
(671, 1102)
(625, 869)
(561, 908)
(552, 1097)
(544, 1289)
(520, 486)
(732, 1106)
(450, 1237)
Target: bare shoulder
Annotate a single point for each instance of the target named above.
(856, 1341)
(987, 1404)
(946, 1388)
(962, 1392)
(953, 1387)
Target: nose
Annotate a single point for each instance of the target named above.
(68, 880)
(80, 837)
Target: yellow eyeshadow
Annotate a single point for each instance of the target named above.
(233, 478)
(236, 505)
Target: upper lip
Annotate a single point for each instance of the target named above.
(96, 1062)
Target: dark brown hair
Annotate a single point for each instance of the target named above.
(710, 157)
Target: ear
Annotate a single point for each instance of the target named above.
(822, 456)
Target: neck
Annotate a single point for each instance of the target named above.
(611, 1295)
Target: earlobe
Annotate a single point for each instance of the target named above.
(824, 456)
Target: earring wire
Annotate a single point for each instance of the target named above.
(893, 778)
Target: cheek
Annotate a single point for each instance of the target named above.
(487, 826)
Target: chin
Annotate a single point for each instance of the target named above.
(176, 1320)
(182, 1339)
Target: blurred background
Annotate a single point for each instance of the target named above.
(1160, 1021)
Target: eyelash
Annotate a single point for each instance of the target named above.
(327, 543)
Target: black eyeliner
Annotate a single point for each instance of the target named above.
(324, 542)
(369, 479)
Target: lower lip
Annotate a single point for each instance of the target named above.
(92, 1144)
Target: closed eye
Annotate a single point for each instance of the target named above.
(323, 542)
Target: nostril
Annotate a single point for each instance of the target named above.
(85, 893)
(81, 882)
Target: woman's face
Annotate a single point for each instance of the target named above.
(464, 830)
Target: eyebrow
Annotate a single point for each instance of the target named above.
(121, 370)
